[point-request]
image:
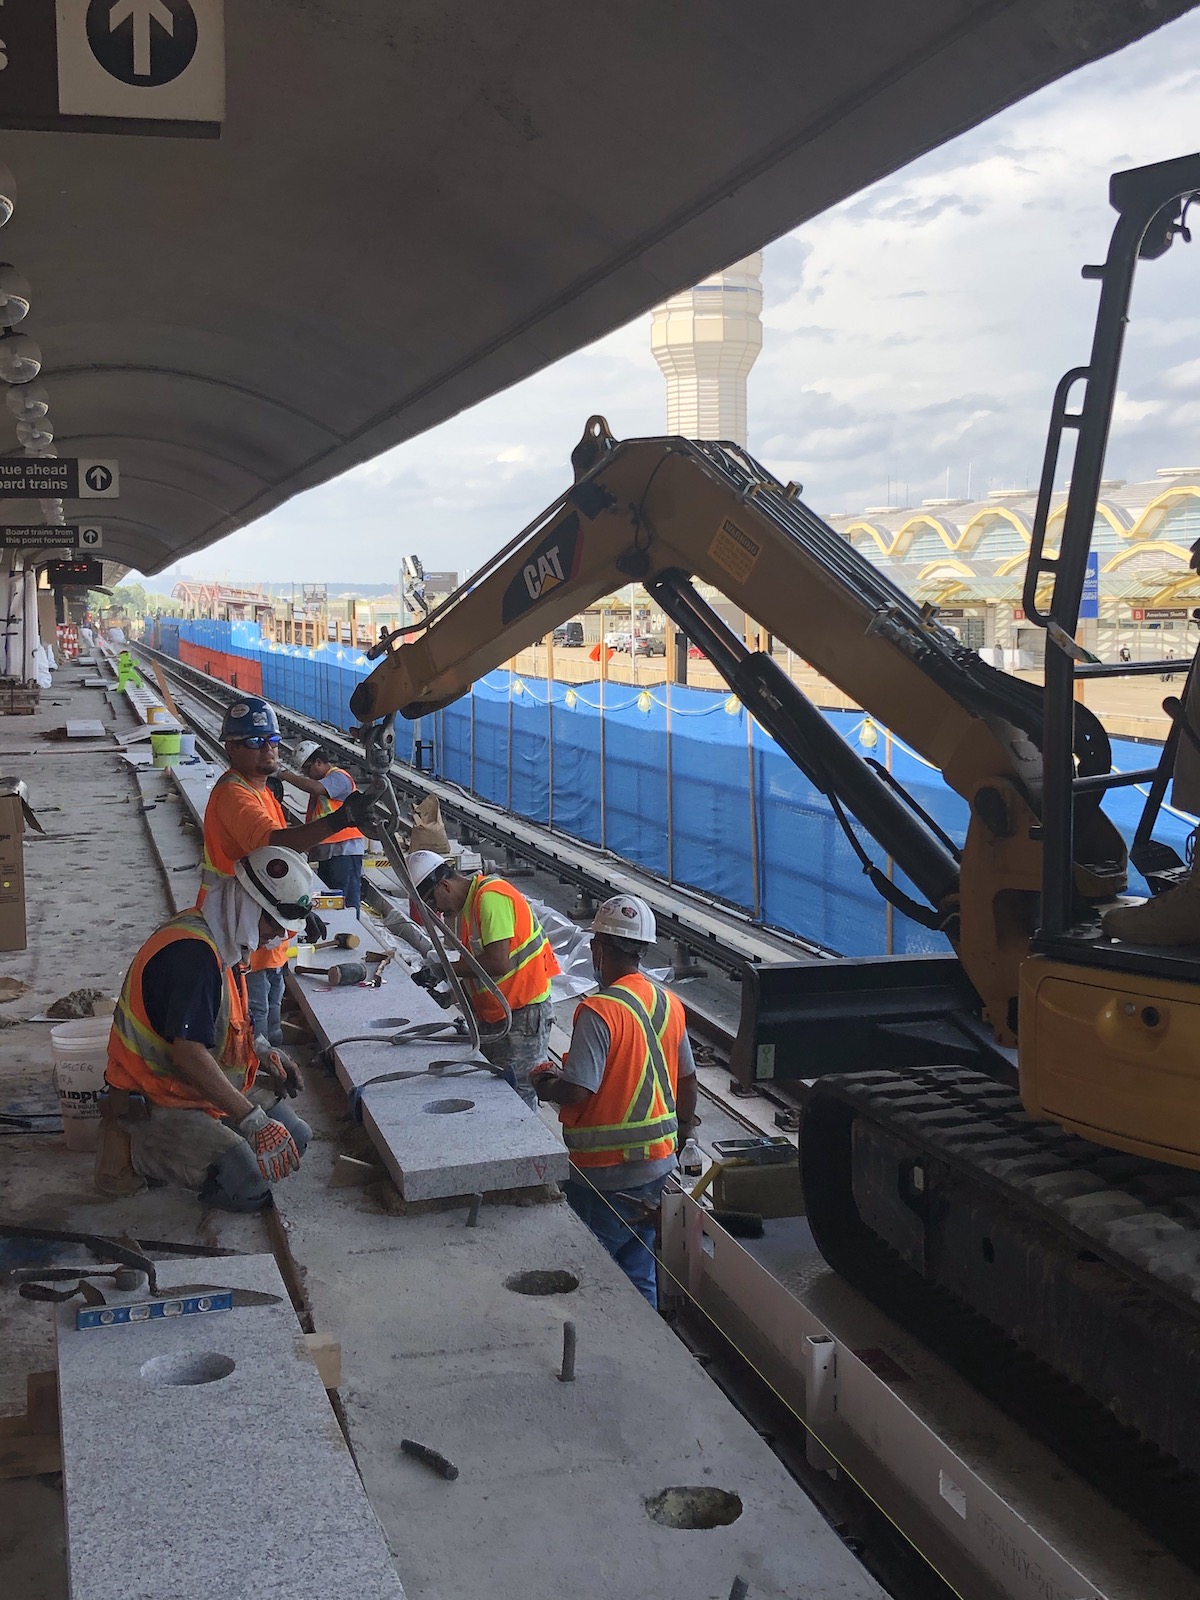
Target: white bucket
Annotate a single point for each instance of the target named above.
(187, 746)
(80, 1057)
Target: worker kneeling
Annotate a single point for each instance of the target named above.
(183, 1060)
(626, 1094)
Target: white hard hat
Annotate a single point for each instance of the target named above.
(282, 883)
(422, 865)
(306, 751)
(626, 917)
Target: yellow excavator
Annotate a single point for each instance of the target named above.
(1012, 1128)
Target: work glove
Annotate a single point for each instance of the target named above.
(315, 928)
(426, 977)
(280, 1068)
(272, 1144)
(360, 810)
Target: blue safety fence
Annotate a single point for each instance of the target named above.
(675, 779)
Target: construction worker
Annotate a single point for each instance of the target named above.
(338, 858)
(498, 926)
(242, 815)
(626, 1092)
(184, 1105)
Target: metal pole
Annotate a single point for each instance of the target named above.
(603, 658)
(550, 733)
(511, 679)
(754, 862)
(888, 911)
(471, 732)
(670, 794)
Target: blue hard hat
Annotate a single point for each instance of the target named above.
(247, 717)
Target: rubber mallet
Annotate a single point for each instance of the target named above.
(340, 941)
(338, 976)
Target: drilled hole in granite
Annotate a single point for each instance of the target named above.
(443, 1108)
(461, 1062)
(390, 1022)
(542, 1282)
(188, 1367)
(693, 1508)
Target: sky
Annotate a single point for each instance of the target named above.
(913, 337)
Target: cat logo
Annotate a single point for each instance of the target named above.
(544, 573)
(554, 562)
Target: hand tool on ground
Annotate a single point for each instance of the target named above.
(432, 1458)
(340, 941)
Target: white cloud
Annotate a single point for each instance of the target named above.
(914, 332)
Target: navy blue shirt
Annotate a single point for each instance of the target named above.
(181, 989)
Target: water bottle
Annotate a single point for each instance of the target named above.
(691, 1159)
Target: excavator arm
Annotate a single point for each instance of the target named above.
(662, 512)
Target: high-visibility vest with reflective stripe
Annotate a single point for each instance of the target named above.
(631, 1117)
(320, 805)
(140, 1059)
(218, 865)
(531, 959)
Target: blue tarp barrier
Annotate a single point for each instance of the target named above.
(665, 786)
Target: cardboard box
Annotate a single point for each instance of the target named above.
(15, 815)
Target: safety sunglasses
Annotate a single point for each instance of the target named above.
(256, 741)
(294, 909)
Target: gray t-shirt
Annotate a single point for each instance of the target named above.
(584, 1065)
(338, 786)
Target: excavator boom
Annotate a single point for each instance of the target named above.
(664, 511)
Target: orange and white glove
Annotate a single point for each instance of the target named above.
(272, 1144)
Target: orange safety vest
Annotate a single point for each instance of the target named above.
(218, 865)
(140, 1059)
(320, 805)
(631, 1117)
(531, 959)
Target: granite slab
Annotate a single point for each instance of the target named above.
(494, 1143)
(201, 1456)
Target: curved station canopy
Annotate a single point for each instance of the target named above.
(411, 206)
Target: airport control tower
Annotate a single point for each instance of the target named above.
(706, 340)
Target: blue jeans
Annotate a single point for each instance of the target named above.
(621, 1226)
(264, 991)
(343, 874)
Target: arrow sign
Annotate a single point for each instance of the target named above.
(91, 536)
(142, 42)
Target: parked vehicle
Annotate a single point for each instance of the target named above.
(569, 634)
(619, 641)
(649, 644)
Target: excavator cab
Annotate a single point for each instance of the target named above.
(1109, 1028)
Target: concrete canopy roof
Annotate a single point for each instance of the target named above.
(414, 206)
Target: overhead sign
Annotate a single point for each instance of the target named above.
(1089, 604)
(1160, 613)
(71, 478)
(72, 536)
(1018, 614)
(113, 66)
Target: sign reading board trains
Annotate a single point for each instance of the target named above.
(113, 66)
(67, 536)
(71, 478)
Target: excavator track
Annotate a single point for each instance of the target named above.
(1061, 1278)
